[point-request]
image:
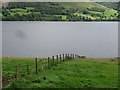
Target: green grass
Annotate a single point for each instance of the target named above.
(9, 65)
(82, 5)
(94, 12)
(77, 73)
(0, 16)
(110, 13)
(85, 15)
(64, 17)
(20, 11)
(30, 8)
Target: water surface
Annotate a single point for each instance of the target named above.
(43, 39)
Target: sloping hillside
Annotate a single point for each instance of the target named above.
(77, 73)
(83, 5)
(113, 5)
(58, 11)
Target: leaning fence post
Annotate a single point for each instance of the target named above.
(16, 72)
(36, 66)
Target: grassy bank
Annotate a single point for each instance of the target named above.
(77, 73)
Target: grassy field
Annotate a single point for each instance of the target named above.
(21, 11)
(9, 67)
(1, 15)
(82, 5)
(85, 15)
(64, 17)
(77, 73)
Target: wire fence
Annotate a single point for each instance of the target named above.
(36, 66)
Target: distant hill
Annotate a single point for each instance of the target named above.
(80, 5)
(60, 11)
(113, 5)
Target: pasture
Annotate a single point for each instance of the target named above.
(74, 73)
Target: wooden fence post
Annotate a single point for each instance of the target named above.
(57, 58)
(48, 62)
(36, 68)
(16, 72)
(66, 57)
(60, 58)
(28, 70)
(53, 60)
(63, 57)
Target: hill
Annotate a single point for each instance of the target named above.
(58, 11)
(113, 5)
